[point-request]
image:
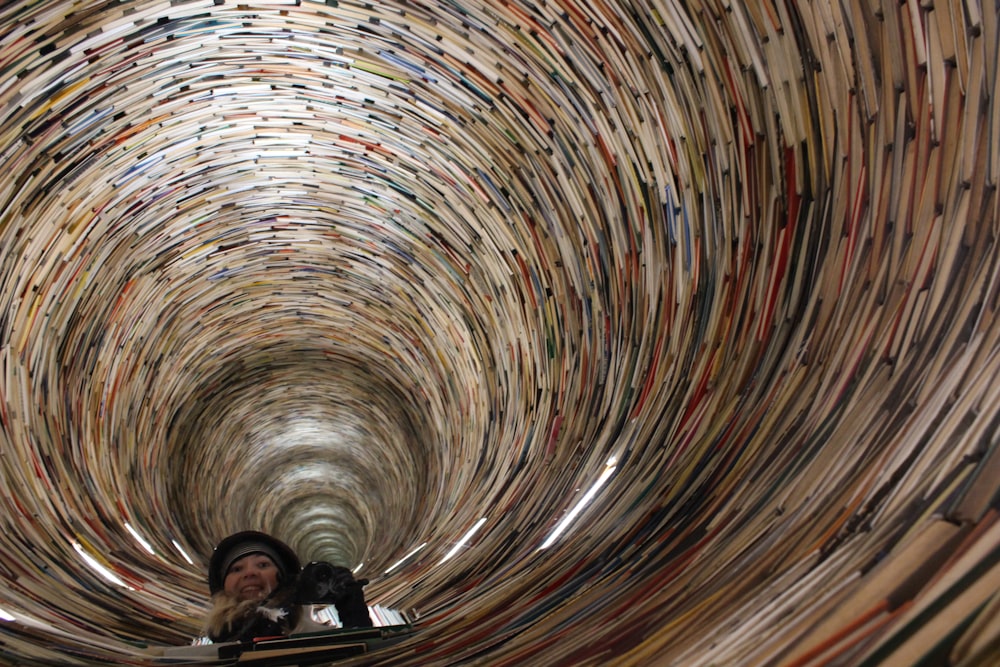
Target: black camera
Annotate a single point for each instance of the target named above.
(320, 582)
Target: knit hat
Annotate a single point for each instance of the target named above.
(248, 542)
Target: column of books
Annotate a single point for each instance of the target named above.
(591, 333)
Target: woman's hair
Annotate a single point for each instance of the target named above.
(229, 614)
(227, 611)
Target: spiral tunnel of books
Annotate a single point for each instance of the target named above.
(637, 333)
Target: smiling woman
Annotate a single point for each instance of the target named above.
(253, 580)
(246, 569)
(251, 577)
(700, 296)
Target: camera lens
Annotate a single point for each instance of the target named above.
(322, 573)
(320, 582)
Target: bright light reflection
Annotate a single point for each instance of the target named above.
(138, 538)
(24, 619)
(587, 497)
(403, 559)
(6, 615)
(100, 569)
(465, 538)
(358, 568)
(182, 552)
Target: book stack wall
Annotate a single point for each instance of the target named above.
(591, 333)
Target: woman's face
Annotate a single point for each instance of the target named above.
(252, 577)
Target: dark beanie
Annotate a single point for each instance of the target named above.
(245, 549)
(243, 544)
